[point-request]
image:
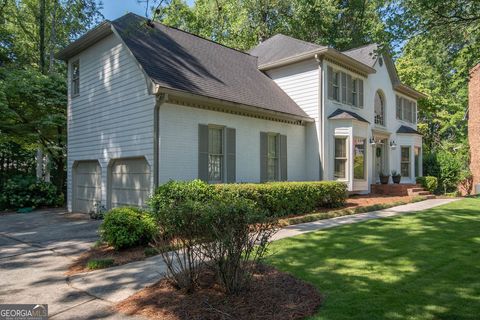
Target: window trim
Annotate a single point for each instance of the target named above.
(409, 162)
(223, 154)
(413, 105)
(277, 155)
(384, 109)
(336, 85)
(364, 158)
(73, 79)
(345, 159)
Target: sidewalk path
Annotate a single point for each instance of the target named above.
(118, 283)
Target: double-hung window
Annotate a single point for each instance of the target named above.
(340, 165)
(406, 110)
(359, 162)
(355, 101)
(75, 78)
(215, 154)
(336, 86)
(405, 161)
(272, 157)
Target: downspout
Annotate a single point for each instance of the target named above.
(319, 59)
(160, 99)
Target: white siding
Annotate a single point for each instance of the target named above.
(113, 115)
(301, 81)
(179, 143)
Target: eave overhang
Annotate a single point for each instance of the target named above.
(328, 53)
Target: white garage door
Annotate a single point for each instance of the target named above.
(130, 182)
(87, 187)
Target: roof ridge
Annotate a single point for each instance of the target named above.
(187, 32)
(296, 39)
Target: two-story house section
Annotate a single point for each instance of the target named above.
(365, 118)
(148, 103)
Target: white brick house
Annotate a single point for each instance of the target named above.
(148, 103)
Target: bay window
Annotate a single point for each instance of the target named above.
(340, 165)
(359, 159)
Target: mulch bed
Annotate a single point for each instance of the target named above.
(273, 295)
(104, 251)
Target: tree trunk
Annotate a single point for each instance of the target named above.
(41, 33)
(53, 38)
(39, 160)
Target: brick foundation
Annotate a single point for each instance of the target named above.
(474, 123)
(393, 189)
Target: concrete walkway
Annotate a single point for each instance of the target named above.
(118, 283)
(35, 251)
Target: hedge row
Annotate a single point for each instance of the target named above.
(289, 198)
(428, 182)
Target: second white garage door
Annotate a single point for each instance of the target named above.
(130, 182)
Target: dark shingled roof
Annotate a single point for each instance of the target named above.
(341, 114)
(280, 47)
(179, 60)
(408, 130)
(366, 54)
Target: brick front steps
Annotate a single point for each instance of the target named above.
(401, 190)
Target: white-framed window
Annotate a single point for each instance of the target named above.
(406, 110)
(75, 78)
(344, 88)
(405, 162)
(359, 161)
(416, 160)
(216, 156)
(336, 85)
(379, 109)
(272, 157)
(340, 160)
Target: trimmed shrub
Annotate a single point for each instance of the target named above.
(289, 198)
(127, 227)
(23, 192)
(429, 183)
(174, 192)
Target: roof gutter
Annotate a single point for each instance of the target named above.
(408, 91)
(101, 31)
(230, 106)
(316, 54)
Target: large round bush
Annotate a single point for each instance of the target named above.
(127, 227)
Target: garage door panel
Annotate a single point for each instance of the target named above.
(136, 181)
(130, 182)
(87, 186)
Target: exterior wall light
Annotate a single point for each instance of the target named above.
(372, 142)
(393, 145)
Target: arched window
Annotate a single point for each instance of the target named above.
(379, 107)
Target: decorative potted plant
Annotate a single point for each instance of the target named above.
(384, 178)
(396, 177)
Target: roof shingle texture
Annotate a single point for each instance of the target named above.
(179, 60)
(407, 130)
(341, 114)
(280, 47)
(366, 54)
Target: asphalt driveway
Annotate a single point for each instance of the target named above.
(35, 251)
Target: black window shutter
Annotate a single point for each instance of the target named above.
(231, 155)
(263, 156)
(360, 93)
(283, 158)
(344, 87)
(203, 152)
(330, 82)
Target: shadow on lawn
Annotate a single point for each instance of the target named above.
(418, 266)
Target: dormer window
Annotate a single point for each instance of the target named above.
(75, 78)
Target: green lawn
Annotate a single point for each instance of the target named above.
(416, 266)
